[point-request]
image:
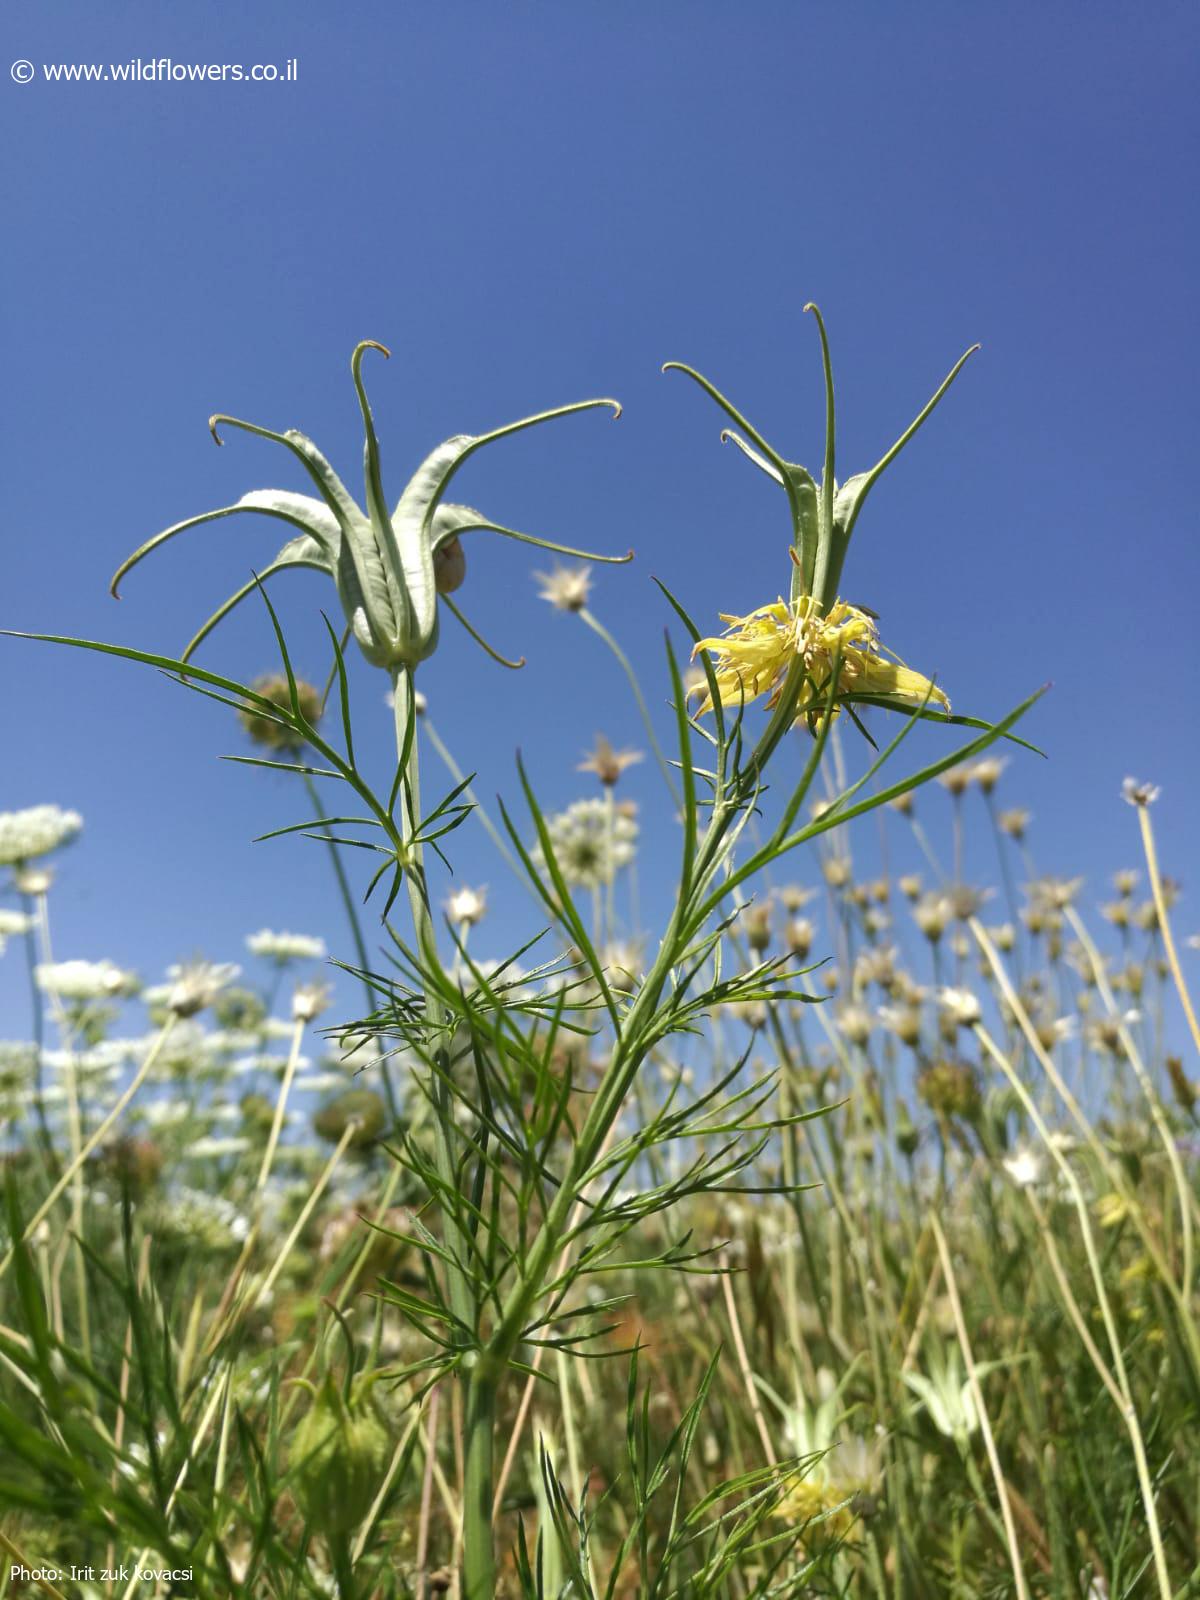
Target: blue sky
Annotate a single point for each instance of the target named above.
(533, 204)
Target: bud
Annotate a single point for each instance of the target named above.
(132, 1164)
(339, 1455)
(240, 1010)
(361, 1109)
(1185, 1089)
(950, 1089)
(258, 1113)
(907, 1136)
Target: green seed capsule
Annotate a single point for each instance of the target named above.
(339, 1455)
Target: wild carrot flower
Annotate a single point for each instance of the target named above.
(205, 1222)
(624, 964)
(754, 655)
(1024, 1167)
(590, 846)
(1139, 794)
(36, 831)
(282, 948)
(85, 980)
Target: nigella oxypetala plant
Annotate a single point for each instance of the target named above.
(390, 569)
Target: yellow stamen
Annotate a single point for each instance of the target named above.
(753, 655)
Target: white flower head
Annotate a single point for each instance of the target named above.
(196, 984)
(36, 831)
(205, 1221)
(590, 843)
(856, 1023)
(13, 923)
(1024, 1167)
(1139, 794)
(281, 948)
(467, 905)
(85, 980)
(961, 1005)
(566, 588)
(309, 1000)
(986, 773)
(212, 1147)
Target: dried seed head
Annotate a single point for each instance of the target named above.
(951, 1090)
(309, 1000)
(986, 773)
(196, 984)
(956, 781)
(608, 764)
(264, 729)
(836, 871)
(467, 905)
(756, 921)
(1014, 823)
(566, 588)
(360, 1109)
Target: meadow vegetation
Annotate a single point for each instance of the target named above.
(834, 1237)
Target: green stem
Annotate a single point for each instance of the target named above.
(602, 632)
(343, 1567)
(38, 1013)
(478, 1557)
(356, 932)
(479, 1428)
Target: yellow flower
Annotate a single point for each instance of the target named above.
(754, 654)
